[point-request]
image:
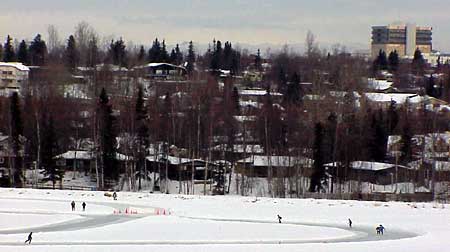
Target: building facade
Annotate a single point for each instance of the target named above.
(404, 39)
(13, 77)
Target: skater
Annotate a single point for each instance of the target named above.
(378, 230)
(115, 195)
(84, 206)
(279, 218)
(381, 228)
(73, 205)
(29, 238)
(350, 222)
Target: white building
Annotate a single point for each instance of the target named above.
(13, 76)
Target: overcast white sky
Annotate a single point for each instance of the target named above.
(254, 22)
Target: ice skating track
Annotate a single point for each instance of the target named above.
(360, 233)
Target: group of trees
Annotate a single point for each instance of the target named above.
(318, 114)
(383, 62)
(34, 54)
(225, 58)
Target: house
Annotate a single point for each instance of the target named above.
(13, 77)
(162, 71)
(432, 145)
(82, 160)
(426, 166)
(79, 160)
(374, 172)
(415, 101)
(258, 94)
(180, 168)
(237, 151)
(282, 166)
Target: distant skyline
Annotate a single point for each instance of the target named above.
(347, 22)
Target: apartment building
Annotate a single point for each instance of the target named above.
(403, 38)
(13, 76)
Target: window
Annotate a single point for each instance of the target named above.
(2, 160)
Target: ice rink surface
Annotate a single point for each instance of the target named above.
(159, 222)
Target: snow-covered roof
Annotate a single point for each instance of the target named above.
(222, 162)
(313, 97)
(159, 64)
(250, 104)
(87, 155)
(276, 161)
(17, 65)
(257, 92)
(342, 94)
(379, 85)
(239, 148)
(173, 160)
(368, 166)
(399, 98)
(111, 67)
(79, 154)
(3, 137)
(245, 118)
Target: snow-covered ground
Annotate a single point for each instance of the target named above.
(219, 223)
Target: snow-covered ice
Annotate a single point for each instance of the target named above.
(220, 223)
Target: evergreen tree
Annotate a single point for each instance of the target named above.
(227, 59)
(216, 59)
(438, 63)
(293, 93)
(141, 55)
(16, 131)
(8, 51)
(406, 144)
(282, 80)
(418, 63)
(392, 119)
(154, 53)
(1, 51)
(38, 51)
(107, 139)
(329, 138)
(164, 54)
(92, 53)
(258, 61)
(318, 169)
(142, 132)
(381, 62)
(71, 54)
(179, 55)
(117, 53)
(190, 59)
(22, 54)
(430, 89)
(173, 57)
(377, 145)
(235, 100)
(51, 171)
(393, 61)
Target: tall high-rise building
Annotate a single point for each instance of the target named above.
(404, 39)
